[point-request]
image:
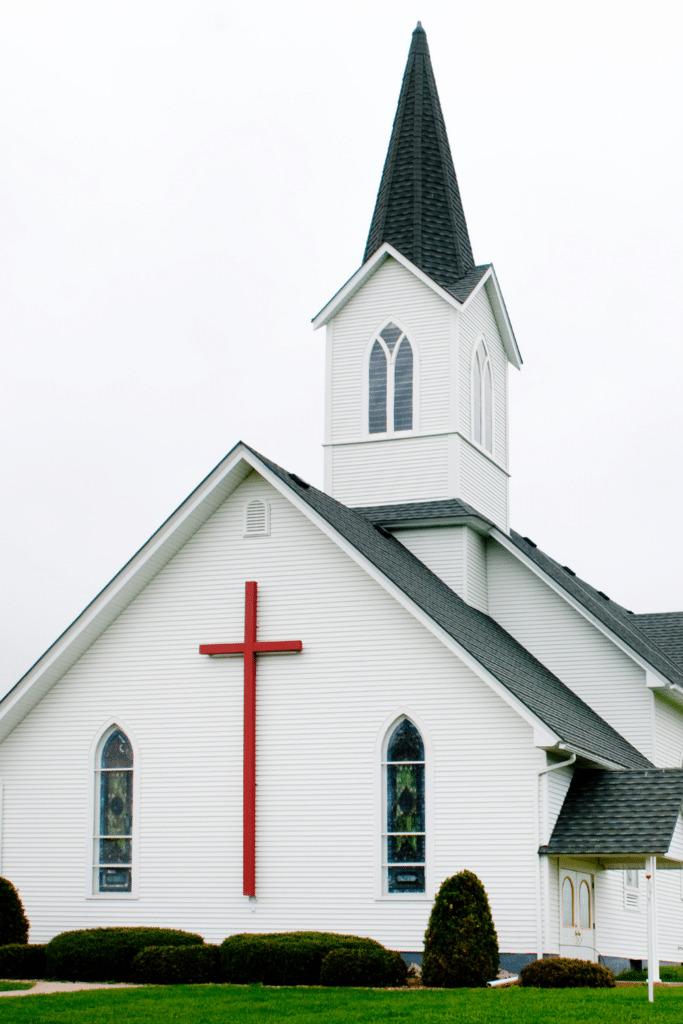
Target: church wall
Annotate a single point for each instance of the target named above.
(319, 716)
(395, 470)
(668, 733)
(457, 554)
(571, 647)
(483, 484)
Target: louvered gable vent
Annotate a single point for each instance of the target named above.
(257, 518)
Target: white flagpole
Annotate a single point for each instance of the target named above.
(652, 946)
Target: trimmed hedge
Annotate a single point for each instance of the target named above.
(177, 965)
(563, 972)
(20, 961)
(107, 954)
(363, 967)
(284, 958)
(13, 920)
(461, 945)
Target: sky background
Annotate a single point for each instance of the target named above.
(183, 185)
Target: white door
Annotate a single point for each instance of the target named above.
(577, 915)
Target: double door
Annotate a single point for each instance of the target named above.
(577, 915)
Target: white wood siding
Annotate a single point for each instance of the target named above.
(319, 714)
(478, 319)
(483, 484)
(402, 469)
(668, 732)
(578, 653)
(476, 583)
(456, 554)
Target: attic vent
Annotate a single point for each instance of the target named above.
(257, 518)
(631, 900)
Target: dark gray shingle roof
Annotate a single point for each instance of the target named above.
(523, 675)
(666, 629)
(632, 812)
(448, 510)
(418, 209)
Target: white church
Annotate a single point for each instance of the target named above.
(302, 709)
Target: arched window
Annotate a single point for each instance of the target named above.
(584, 905)
(114, 814)
(482, 398)
(390, 382)
(567, 903)
(404, 840)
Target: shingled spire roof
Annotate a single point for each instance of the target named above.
(418, 208)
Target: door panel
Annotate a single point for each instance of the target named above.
(577, 915)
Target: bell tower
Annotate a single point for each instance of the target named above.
(418, 340)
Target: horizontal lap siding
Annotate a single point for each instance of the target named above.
(441, 549)
(319, 714)
(392, 292)
(477, 585)
(406, 469)
(483, 484)
(576, 651)
(668, 733)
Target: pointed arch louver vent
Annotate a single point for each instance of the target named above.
(257, 518)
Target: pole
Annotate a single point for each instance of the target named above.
(652, 945)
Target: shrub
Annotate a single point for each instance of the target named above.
(363, 967)
(461, 946)
(107, 954)
(176, 965)
(20, 961)
(283, 958)
(562, 972)
(13, 920)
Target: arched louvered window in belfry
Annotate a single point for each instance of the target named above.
(482, 398)
(390, 382)
(113, 867)
(405, 837)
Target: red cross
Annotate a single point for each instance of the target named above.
(249, 649)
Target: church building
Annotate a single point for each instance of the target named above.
(301, 709)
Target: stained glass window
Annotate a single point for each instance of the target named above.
(482, 398)
(114, 840)
(405, 824)
(390, 382)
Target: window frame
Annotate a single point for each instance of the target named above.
(480, 341)
(94, 768)
(382, 893)
(391, 364)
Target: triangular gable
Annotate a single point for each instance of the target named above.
(459, 297)
(559, 718)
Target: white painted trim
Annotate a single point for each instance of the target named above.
(425, 433)
(390, 433)
(93, 804)
(329, 377)
(381, 740)
(481, 339)
(454, 371)
(510, 546)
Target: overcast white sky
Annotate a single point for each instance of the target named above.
(184, 183)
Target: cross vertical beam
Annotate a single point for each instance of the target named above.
(249, 649)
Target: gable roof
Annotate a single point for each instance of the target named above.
(521, 675)
(666, 629)
(418, 209)
(608, 813)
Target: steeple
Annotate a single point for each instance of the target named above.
(418, 208)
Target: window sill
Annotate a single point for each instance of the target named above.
(113, 896)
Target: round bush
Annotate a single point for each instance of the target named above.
(363, 967)
(283, 958)
(13, 920)
(563, 972)
(461, 945)
(176, 965)
(20, 961)
(107, 954)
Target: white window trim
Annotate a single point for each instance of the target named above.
(390, 432)
(381, 743)
(261, 533)
(93, 807)
(480, 339)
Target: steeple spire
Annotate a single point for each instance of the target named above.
(418, 208)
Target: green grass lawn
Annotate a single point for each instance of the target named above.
(225, 1004)
(9, 986)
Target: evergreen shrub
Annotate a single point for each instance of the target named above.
(107, 954)
(363, 967)
(20, 961)
(283, 958)
(563, 972)
(177, 965)
(461, 945)
(13, 920)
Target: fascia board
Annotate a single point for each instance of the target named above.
(364, 273)
(490, 282)
(653, 676)
(115, 597)
(543, 735)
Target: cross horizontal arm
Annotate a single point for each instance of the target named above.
(221, 648)
(278, 645)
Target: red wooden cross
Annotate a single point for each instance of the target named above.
(249, 649)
